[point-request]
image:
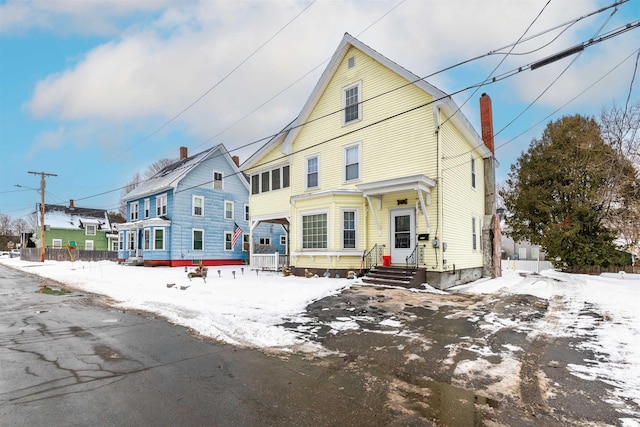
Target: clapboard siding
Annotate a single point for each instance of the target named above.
(399, 140)
(181, 222)
(460, 201)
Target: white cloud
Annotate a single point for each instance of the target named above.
(158, 69)
(94, 17)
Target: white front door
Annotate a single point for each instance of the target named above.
(402, 234)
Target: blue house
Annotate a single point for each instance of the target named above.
(195, 210)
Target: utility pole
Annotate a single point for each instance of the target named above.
(43, 175)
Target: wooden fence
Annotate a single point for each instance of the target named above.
(55, 254)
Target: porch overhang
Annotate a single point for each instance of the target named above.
(422, 184)
(152, 222)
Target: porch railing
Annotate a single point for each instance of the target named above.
(269, 262)
(373, 257)
(415, 258)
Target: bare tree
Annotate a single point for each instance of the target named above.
(137, 179)
(5, 225)
(20, 226)
(621, 131)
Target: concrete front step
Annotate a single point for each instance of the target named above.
(395, 276)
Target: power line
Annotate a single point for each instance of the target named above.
(628, 27)
(552, 113)
(504, 58)
(217, 83)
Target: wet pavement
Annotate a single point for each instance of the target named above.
(442, 360)
(395, 358)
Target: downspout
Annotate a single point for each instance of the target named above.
(439, 211)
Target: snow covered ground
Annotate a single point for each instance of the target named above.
(248, 308)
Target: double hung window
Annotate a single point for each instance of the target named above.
(351, 103)
(197, 206)
(161, 205)
(134, 211)
(228, 210)
(352, 162)
(349, 229)
(158, 238)
(198, 240)
(312, 172)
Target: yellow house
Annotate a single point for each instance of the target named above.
(380, 169)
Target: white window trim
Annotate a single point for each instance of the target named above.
(355, 219)
(131, 240)
(224, 241)
(306, 171)
(344, 102)
(89, 245)
(92, 227)
(344, 162)
(193, 240)
(213, 178)
(193, 205)
(161, 201)
(146, 239)
(283, 240)
(164, 238)
(262, 181)
(255, 178)
(474, 176)
(300, 233)
(245, 239)
(134, 211)
(121, 242)
(264, 240)
(247, 212)
(147, 208)
(474, 232)
(233, 210)
(56, 243)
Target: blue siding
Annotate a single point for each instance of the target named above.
(178, 236)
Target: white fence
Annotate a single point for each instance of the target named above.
(533, 266)
(270, 262)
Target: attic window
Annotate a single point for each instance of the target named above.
(217, 180)
(351, 62)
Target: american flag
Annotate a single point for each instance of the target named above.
(236, 233)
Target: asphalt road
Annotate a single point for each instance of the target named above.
(69, 360)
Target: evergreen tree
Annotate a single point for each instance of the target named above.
(562, 193)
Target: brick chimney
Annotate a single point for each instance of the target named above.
(71, 205)
(491, 233)
(236, 160)
(486, 120)
(184, 153)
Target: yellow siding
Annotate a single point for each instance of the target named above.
(275, 201)
(399, 146)
(391, 147)
(269, 161)
(269, 203)
(460, 202)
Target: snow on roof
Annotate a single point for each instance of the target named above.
(171, 174)
(57, 216)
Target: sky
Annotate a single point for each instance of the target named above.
(95, 91)
(246, 309)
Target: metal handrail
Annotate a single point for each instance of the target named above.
(373, 257)
(415, 258)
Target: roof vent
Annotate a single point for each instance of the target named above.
(351, 62)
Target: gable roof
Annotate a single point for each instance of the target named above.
(170, 176)
(64, 217)
(441, 100)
